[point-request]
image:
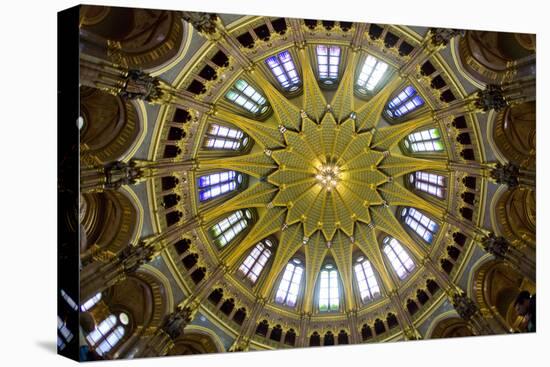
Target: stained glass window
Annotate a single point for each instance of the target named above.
(400, 261)
(329, 293)
(368, 285)
(421, 224)
(255, 262)
(90, 303)
(425, 141)
(287, 293)
(328, 63)
(64, 335)
(216, 184)
(406, 101)
(224, 138)
(229, 227)
(283, 68)
(428, 182)
(371, 73)
(108, 333)
(245, 96)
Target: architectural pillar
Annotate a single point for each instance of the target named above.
(248, 329)
(172, 327)
(513, 176)
(464, 306)
(98, 276)
(133, 84)
(108, 270)
(405, 321)
(435, 40)
(499, 247)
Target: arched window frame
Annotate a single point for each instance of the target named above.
(427, 141)
(366, 280)
(257, 260)
(329, 60)
(64, 335)
(329, 284)
(371, 76)
(247, 98)
(430, 183)
(420, 224)
(400, 260)
(230, 227)
(290, 286)
(216, 184)
(284, 69)
(90, 303)
(108, 333)
(220, 137)
(404, 103)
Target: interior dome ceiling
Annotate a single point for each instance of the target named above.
(304, 136)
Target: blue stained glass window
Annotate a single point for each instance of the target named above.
(283, 68)
(421, 224)
(406, 101)
(216, 184)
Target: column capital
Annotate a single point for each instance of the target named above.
(490, 98)
(440, 37)
(495, 245)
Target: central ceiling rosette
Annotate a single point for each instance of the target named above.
(328, 175)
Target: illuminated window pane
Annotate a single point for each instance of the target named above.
(228, 228)
(216, 184)
(287, 293)
(428, 182)
(371, 73)
(245, 96)
(69, 300)
(91, 302)
(328, 63)
(421, 224)
(283, 68)
(254, 263)
(406, 101)
(329, 294)
(224, 138)
(425, 141)
(398, 257)
(368, 285)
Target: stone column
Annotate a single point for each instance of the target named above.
(302, 340)
(436, 39)
(405, 321)
(513, 176)
(106, 271)
(499, 247)
(464, 306)
(162, 341)
(242, 342)
(98, 276)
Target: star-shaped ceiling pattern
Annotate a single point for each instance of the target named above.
(328, 178)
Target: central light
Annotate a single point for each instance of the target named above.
(328, 175)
